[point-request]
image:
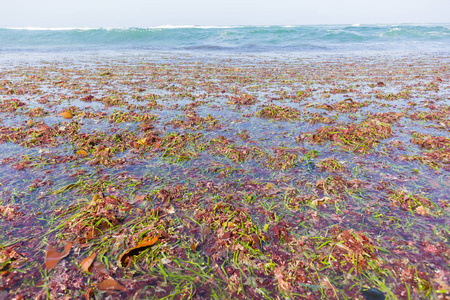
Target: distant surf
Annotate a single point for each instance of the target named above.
(288, 38)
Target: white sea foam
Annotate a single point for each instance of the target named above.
(173, 27)
(51, 28)
(193, 26)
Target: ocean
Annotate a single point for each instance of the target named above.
(232, 39)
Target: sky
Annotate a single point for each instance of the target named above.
(147, 13)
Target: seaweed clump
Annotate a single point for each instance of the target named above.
(102, 213)
(276, 112)
(438, 154)
(359, 138)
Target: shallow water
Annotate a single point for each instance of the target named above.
(224, 153)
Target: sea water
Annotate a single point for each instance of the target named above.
(231, 39)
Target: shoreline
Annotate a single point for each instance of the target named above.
(80, 58)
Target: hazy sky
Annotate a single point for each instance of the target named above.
(143, 13)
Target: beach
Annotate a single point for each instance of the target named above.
(179, 175)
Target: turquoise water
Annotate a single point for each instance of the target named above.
(317, 38)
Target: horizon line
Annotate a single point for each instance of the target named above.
(187, 26)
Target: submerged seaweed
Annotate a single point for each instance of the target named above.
(242, 178)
